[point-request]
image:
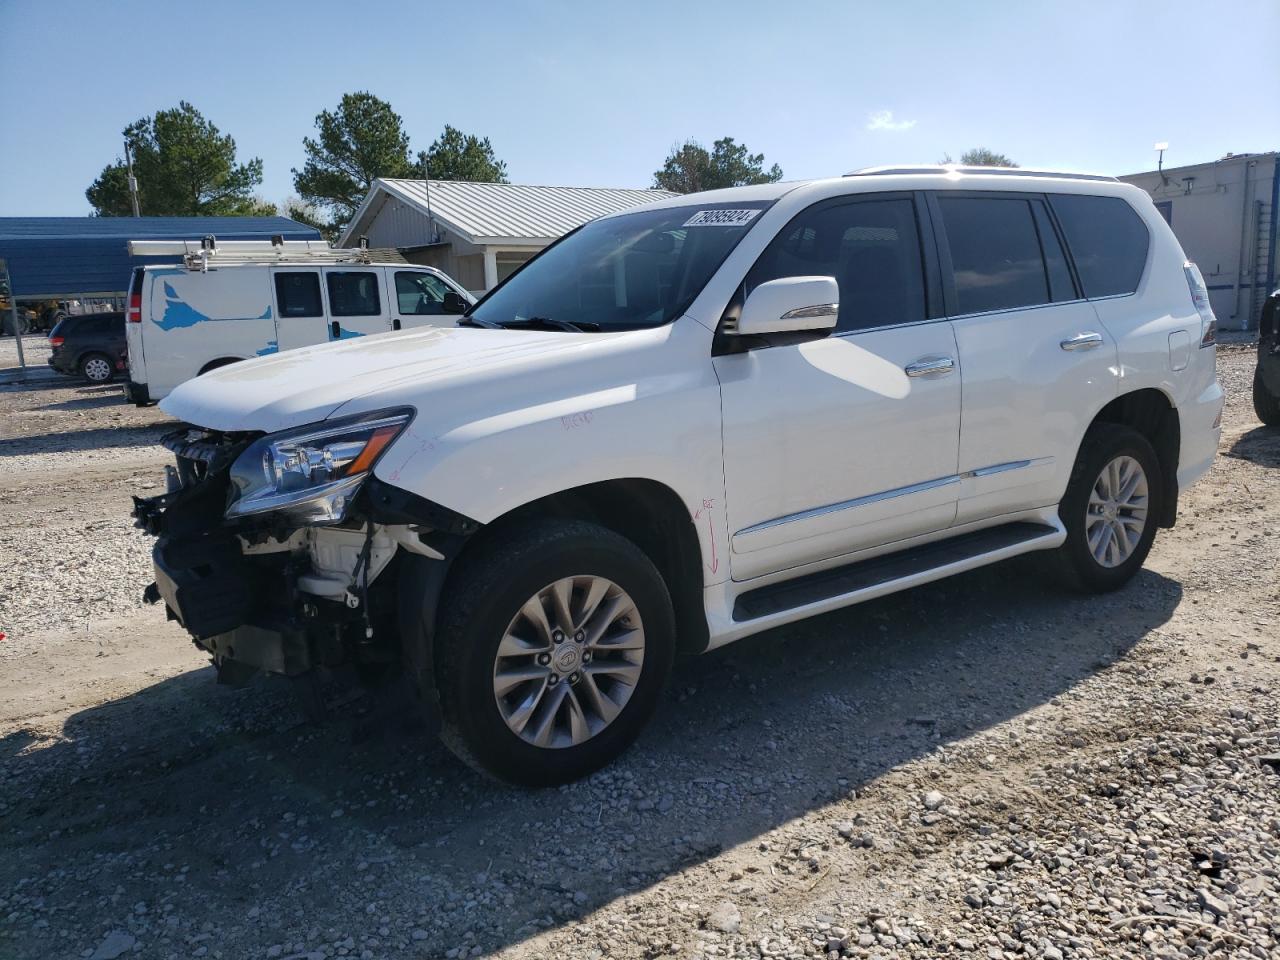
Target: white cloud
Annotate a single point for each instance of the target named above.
(883, 120)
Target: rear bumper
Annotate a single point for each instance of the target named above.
(60, 364)
(1201, 427)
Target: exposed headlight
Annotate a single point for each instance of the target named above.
(310, 475)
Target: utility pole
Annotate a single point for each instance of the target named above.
(133, 181)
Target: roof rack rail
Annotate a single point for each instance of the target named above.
(198, 254)
(976, 171)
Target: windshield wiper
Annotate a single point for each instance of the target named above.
(550, 323)
(470, 321)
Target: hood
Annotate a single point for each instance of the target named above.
(310, 384)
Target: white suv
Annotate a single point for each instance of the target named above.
(688, 423)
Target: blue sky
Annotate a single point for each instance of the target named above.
(594, 94)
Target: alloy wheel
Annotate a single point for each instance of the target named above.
(569, 661)
(1117, 512)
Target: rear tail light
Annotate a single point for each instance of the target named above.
(57, 341)
(1200, 297)
(135, 308)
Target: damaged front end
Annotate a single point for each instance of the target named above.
(279, 553)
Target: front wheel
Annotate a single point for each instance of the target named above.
(1110, 509)
(1265, 403)
(554, 644)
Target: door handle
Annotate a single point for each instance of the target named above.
(1082, 341)
(930, 367)
(335, 330)
(395, 323)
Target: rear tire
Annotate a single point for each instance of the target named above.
(1265, 403)
(1113, 500)
(96, 368)
(596, 656)
(215, 364)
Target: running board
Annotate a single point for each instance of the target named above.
(895, 571)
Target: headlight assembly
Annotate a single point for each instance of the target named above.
(310, 475)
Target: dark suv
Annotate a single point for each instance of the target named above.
(91, 345)
(1266, 378)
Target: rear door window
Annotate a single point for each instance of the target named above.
(1108, 242)
(298, 294)
(871, 247)
(1061, 286)
(995, 253)
(353, 293)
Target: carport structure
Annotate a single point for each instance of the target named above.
(55, 260)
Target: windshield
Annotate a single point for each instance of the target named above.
(622, 273)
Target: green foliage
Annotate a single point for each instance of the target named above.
(185, 168)
(690, 167)
(360, 141)
(981, 157)
(455, 155)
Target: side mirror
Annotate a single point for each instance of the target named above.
(454, 302)
(789, 305)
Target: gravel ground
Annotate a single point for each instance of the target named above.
(984, 767)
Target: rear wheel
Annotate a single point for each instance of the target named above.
(215, 364)
(1265, 403)
(553, 646)
(96, 368)
(1110, 509)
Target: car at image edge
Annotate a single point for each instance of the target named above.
(91, 346)
(688, 423)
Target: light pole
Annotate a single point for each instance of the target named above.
(133, 181)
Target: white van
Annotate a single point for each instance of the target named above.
(232, 301)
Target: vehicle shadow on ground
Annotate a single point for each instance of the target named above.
(262, 809)
(1261, 445)
(93, 397)
(97, 438)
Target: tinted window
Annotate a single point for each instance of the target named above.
(871, 247)
(995, 253)
(353, 294)
(1061, 286)
(108, 324)
(420, 293)
(298, 294)
(1108, 242)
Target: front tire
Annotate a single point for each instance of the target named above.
(1265, 403)
(1110, 509)
(554, 643)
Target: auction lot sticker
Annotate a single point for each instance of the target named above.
(721, 218)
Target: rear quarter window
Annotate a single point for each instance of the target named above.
(1108, 242)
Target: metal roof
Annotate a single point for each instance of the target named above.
(498, 212)
(53, 257)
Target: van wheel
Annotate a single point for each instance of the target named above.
(554, 643)
(96, 368)
(1110, 509)
(1265, 403)
(215, 364)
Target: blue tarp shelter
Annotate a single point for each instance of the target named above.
(52, 258)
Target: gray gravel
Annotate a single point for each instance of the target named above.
(983, 767)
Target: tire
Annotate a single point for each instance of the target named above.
(215, 364)
(487, 596)
(6, 324)
(1265, 403)
(1075, 561)
(96, 368)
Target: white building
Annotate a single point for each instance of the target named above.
(1224, 214)
(478, 233)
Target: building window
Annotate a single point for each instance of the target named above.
(1166, 210)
